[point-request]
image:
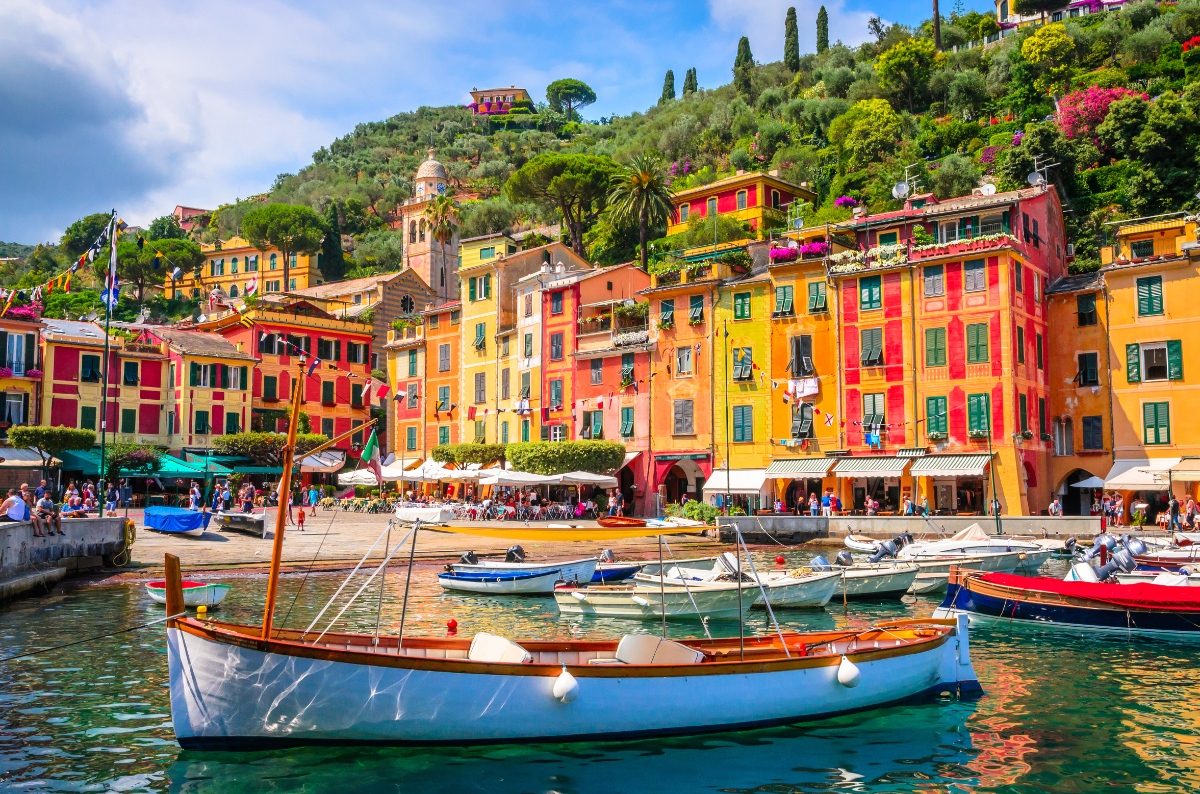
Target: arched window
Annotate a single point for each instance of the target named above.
(274, 260)
(233, 291)
(412, 231)
(407, 304)
(421, 237)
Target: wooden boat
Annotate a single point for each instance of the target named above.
(650, 602)
(934, 573)
(620, 521)
(610, 572)
(1153, 609)
(1168, 559)
(500, 582)
(580, 570)
(195, 594)
(240, 687)
(798, 589)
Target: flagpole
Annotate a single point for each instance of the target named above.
(108, 307)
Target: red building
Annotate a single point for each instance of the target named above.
(757, 199)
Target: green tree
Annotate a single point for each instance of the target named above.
(291, 228)
(689, 81)
(1031, 7)
(50, 442)
(165, 227)
(1051, 51)
(791, 42)
(559, 457)
(442, 216)
(464, 454)
(743, 68)
(265, 449)
(867, 132)
(822, 30)
(905, 68)
(379, 251)
(957, 175)
(125, 458)
(568, 95)
(576, 184)
(668, 90)
(640, 194)
(333, 259)
(937, 26)
(153, 262)
(79, 236)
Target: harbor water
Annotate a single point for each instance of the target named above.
(1062, 711)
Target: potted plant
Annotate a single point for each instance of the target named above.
(1026, 434)
(936, 435)
(34, 373)
(666, 323)
(977, 434)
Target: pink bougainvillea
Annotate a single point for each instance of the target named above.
(846, 201)
(1080, 112)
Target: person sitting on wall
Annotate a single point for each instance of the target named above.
(13, 508)
(74, 508)
(47, 512)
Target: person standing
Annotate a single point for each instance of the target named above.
(1173, 513)
(814, 505)
(314, 497)
(827, 504)
(1055, 508)
(194, 497)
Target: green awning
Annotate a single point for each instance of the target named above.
(175, 467)
(225, 460)
(277, 470)
(84, 461)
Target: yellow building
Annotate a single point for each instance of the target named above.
(1152, 277)
(232, 265)
(759, 200)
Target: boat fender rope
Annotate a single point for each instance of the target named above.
(121, 558)
(104, 636)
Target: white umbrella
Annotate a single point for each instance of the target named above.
(359, 477)
(587, 478)
(1090, 482)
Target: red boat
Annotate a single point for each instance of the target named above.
(620, 521)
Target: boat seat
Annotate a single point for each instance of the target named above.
(647, 649)
(499, 650)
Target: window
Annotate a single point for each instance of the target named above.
(935, 281)
(201, 422)
(233, 266)
(1141, 248)
(802, 421)
(129, 373)
(444, 434)
(935, 347)
(412, 363)
(525, 385)
(1085, 309)
(528, 346)
(505, 383)
(487, 253)
(444, 357)
(411, 396)
(87, 417)
(681, 412)
(800, 364)
(870, 292)
(741, 306)
(1037, 237)
(1093, 432)
(741, 199)
(556, 302)
(1149, 296)
(274, 261)
(1156, 423)
(556, 393)
(666, 313)
(935, 415)
(473, 289)
(455, 317)
(1088, 372)
(1037, 287)
(298, 343)
(743, 423)
(626, 368)
(1159, 361)
(480, 387)
(270, 387)
(889, 238)
(979, 412)
(712, 206)
(410, 438)
(775, 199)
(872, 346)
(683, 212)
(505, 344)
(1019, 277)
(236, 378)
(216, 267)
(783, 300)
(743, 363)
(1043, 428)
(816, 297)
(202, 375)
(524, 429)
(696, 309)
(977, 343)
(171, 423)
(504, 432)
(1064, 436)
(527, 303)
(480, 431)
(232, 423)
(683, 361)
(556, 347)
(874, 413)
(269, 344)
(128, 420)
(329, 349)
(1038, 350)
(593, 424)
(974, 276)
(627, 422)
(327, 393)
(480, 342)
(327, 428)
(252, 264)
(89, 369)
(356, 400)
(556, 432)
(1023, 413)
(443, 403)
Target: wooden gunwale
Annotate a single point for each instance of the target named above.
(1033, 596)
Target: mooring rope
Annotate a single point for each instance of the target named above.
(92, 639)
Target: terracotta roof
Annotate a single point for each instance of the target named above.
(336, 288)
(201, 343)
(52, 329)
(442, 307)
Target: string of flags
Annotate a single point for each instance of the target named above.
(63, 280)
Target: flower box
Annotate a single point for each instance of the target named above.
(33, 373)
(978, 435)
(6, 372)
(936, 436)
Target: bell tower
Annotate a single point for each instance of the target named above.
(435, 263)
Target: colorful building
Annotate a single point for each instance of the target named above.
(73, 368)
(20, 372)
(207, 387)
(407, 365)
(497, 101)
(441, 398)
(435, 261)
(759, 200)
(235, 267)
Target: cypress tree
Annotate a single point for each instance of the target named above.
(668, 92)
(689, 81)
(822, 30)
(743, 63)
(333, 261)
(791, 42)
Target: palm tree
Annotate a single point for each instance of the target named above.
(441, 214)
(640, 194)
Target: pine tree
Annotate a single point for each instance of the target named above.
(822, 30)
(743, 64)
(333, 261)
(791, 42)
(668, 92)
(689, 81)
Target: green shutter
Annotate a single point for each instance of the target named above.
(194, 374)
(935, 414)
(935, 347)
(1023, 412)
(471, 289)
(1133, 363)
(224, 369)
(1150, 295)
(1174, 359)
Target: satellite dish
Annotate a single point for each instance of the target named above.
(988, 189)
(1035, 178)
(900, 190)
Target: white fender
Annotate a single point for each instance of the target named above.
(637, 599)
(579, 595)
(565, 687)
(847, 673)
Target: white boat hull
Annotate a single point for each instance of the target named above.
(808, 591)
(240, 696)
(876, 581)
(1026, 560)
(568, 570)
(928, 583)
(647, 602)
(536, 585)
(210, 595)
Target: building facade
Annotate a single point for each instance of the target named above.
(237, 268)
(759, 200)
(435, 261)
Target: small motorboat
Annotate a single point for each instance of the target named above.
(992, 552)
(609, 572)
(580, 570)
(195, 594)
(861, 544)
(652, 602)
(501, 582)
(798, 589)
(869, 580)
(620, 521)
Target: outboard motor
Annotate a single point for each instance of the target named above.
(514, 554)
(468, 558)
(1135, 546)
(1069, 546)
(1122, 562)
(819, 563)
(1105, 540)
(844, 558)
(608, 556)
(887, 548)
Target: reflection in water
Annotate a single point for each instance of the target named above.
(1064, 712)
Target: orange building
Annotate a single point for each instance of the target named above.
(443, 359)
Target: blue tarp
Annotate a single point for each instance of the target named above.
(175, 519)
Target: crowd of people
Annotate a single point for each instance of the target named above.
(39, 508)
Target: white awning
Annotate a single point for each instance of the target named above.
(949, 465)
(507, 477)
(23, 458)
(357, 477)
(1188, 470)
(870, 466)
(740, 481)
(330, 460)
(799, 468)
(1139, 474)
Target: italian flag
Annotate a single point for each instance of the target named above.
(370, 456)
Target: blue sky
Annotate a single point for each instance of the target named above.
(142, 106)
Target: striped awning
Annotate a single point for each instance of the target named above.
(870, 466)
(799, 468)
(950, 466)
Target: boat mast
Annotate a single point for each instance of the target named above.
(285, 490)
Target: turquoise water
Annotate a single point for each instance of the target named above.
(1063, 712)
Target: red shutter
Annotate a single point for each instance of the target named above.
(893, 305)
(851, 361)
(849, 288)
(895, 414)
(312, 389)
(893, 351)
(284, 390)
(997, 412)
(957, 408)
(994, 344)
(64, 412)
(152, 374)
(66, 365)
(854, 433)
(956, 348)
(216, 420)
(341, 391)
(993, 279)
(148, 419)
(954, 286)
